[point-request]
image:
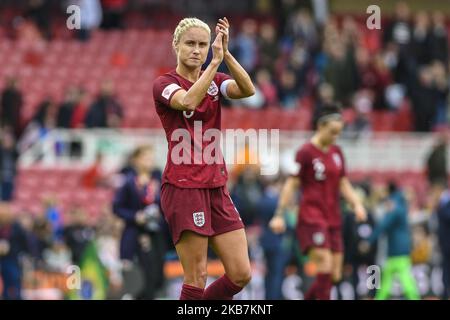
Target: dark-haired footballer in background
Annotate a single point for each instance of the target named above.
(321, 177)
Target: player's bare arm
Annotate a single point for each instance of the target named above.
(242, 85)
(277, 223)
(188, 100)
(348, 192)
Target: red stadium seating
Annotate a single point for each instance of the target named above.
(132, 59)
(35, 184)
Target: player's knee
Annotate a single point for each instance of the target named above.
(241, 277)
(196, 278)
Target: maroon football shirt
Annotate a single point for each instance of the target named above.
(195, 172)
(320, 174)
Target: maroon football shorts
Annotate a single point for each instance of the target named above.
(318, 236)
(208, 212)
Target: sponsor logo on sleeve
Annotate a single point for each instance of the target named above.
(167, 92)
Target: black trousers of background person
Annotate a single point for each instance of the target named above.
(152, 266)
(112, 19)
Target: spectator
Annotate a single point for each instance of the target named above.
(340, 71)
(354, 234)
(351, 35)
(105, 112)
(245, 47)
(57, 257)
(113, 12)
(53, 214)
(65, 110)
(287, 90)
(443, 214)
(299, 63)
(42, 236)
(301, 27)
(398, 37)
(372, 75)
(94, 177)
(79, 111)
(45, 117)
(439, 39)
(441, 83)
(399, 30)
(421, 39)
(247, 194)
(268, 47)
(11, 107)
(77, 234)
(39, 11)
(395, 224)
(8, 165)
(108, 232)
(272, 244)
(13, 242)
(360, 125)
(137, 203)
(436, 165)
(425, 100)
(267, 88)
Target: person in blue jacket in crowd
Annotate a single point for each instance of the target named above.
(398, 263)
(136, 201)
(272, 244)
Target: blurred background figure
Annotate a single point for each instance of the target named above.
(398, 262)
(11, 107)
(77, 234)
(136, 202)
(276, 257)
(13, 242)
(436, 165)
(8, 164)
(113, 12)
(443, 216)
(105, 111)
(355, 233)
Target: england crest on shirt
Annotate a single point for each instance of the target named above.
(213, 90)
(199, 218)
(337, 160)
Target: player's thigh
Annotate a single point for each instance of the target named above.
(192, 250)
(322, 258)
(337, 262)
(232, 249)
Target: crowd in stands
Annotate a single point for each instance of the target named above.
(296, 63)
